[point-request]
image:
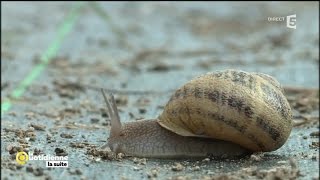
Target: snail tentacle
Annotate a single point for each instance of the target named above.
(113, 113)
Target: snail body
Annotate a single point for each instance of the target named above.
(222, 114)
(146, 138)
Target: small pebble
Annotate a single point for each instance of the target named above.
(142, 110)
(314, 158)
(75, 171)
(136, 168)
(255, 157)
(36, 151)
(177, 167)
(206, 160)
(38, 172)
(29, 169)
(60, 152)
(67, 136)
(315, 134)
(38, 127)
(281, 162)
(154, 173)
(120, 155)
(121, 100)
(142, 161)
(30, 115)
(196, 168)
(94, 120)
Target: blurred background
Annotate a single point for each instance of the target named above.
(55, 54)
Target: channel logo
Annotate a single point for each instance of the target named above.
(51, 161)
(291, 20)
(22, 158)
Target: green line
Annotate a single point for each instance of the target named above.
(64, 29)
(104, 15)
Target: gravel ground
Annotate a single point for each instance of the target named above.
(56, 55)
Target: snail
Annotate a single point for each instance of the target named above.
(227, 113)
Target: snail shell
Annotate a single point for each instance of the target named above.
(245, 108)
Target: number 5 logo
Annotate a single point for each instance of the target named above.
(291, 21)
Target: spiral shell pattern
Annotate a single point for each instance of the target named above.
(248, 109)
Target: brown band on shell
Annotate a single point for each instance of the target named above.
(242, 78)
(254, 139)
(197, 92)
(213, 95)
(266, 127)
(187, 111)
(275, 101)
(181, 120)
(217, 97)
(271, 80)
(232, 101)
(235, 103)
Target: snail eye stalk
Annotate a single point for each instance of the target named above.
(113, 113)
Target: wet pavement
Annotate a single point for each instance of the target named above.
(55, 56)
